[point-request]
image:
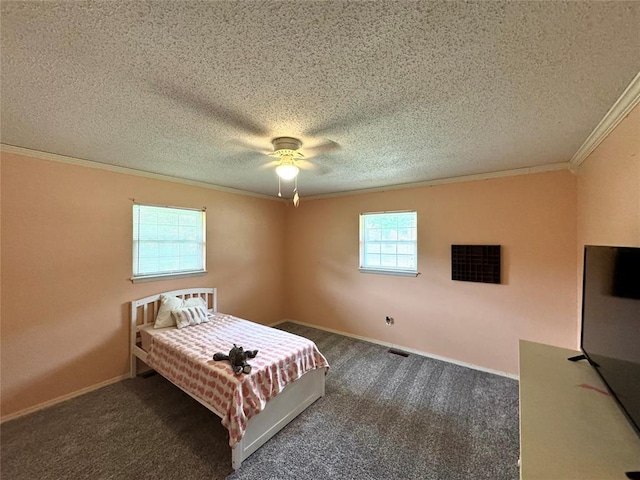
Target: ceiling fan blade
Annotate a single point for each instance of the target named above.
(305, 165)
(324, 147)
(361, 117)
(315, 167)
(210, 109)
(248, 159)
(272, 164)
(250, 146)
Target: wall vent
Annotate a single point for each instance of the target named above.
(395, 351)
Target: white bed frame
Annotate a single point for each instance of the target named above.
(278, 412)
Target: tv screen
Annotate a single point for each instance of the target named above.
(611, 322)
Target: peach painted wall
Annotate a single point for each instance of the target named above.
(531, 216)
(66, 260)
(609, 188)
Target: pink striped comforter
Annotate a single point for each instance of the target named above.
(185, 357)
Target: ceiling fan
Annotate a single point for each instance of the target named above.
(290, 159)
(286, 149)
(290, 155)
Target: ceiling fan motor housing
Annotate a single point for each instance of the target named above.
(286, 143)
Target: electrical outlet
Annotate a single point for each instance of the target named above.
(388, 320)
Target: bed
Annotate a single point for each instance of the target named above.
(287, 375)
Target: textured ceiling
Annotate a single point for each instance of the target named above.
(409, 91)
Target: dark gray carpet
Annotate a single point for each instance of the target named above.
(383, 417)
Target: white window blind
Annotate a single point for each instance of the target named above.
(168, 241)
(388, 242)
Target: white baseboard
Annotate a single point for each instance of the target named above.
(406, 349)
(64, 398)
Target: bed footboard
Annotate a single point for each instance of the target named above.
(278, 412)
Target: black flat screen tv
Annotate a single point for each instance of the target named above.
(610, 337)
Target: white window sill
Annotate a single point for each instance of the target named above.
(399, 273)
(168, 276)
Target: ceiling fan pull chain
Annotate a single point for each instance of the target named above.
(296, 197)
(279, 192)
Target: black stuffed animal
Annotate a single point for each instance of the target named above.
(237, 358)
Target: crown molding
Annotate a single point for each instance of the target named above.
(54, 157)
(443, 181)
(5, 148)
(625, 103)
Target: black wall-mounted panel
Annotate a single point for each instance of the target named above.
(475, 263)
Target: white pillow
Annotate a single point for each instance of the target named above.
(189, 316)
(164, 318)
(168, 303)
(196, 302)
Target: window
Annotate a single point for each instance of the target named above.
(388, 243)
(168, 241)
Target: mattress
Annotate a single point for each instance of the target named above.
(185, 357)
(147, 332)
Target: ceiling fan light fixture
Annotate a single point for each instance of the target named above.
(287, 171)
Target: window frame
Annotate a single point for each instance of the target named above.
(413, 272)
(166, 275)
